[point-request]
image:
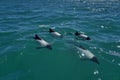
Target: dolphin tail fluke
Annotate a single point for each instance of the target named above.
(94, 59)
(37, 37)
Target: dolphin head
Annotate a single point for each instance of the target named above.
(88, 38)
(49, 47)
(94, 59)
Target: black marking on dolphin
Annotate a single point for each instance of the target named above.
(49, 47)
(51, 30)
(37, 37)
(77, 33)
(88, 38)
(94, 59)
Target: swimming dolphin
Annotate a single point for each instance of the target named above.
(54, 33)
(42, 42)
(82, 36)
(88, 54)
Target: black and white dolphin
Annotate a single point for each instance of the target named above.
(54, 33)
(88, 54)
(82, 36)
(42, 42)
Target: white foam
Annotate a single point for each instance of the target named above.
(96, 72)
(113, 60)
(102, 26)
(80, 56)
(101, 50)
(21, 53)
(118, 40)
(78, 52)
(24, 47)
(43, 26)
(118, 46)
(118, 64)
(95, 47)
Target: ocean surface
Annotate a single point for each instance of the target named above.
(20, 20)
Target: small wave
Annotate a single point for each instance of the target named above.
(44, 26)
(6, 50)
(118, 64)
(114, 53)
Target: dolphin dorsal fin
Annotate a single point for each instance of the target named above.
(37, 37)
(77, 33)
(51, 30)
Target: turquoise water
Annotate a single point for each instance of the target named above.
(20, 20)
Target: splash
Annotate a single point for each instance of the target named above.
(96, 72)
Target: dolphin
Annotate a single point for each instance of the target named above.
(82, 36)
(89, 55)
(42, 42)
(54, 33)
